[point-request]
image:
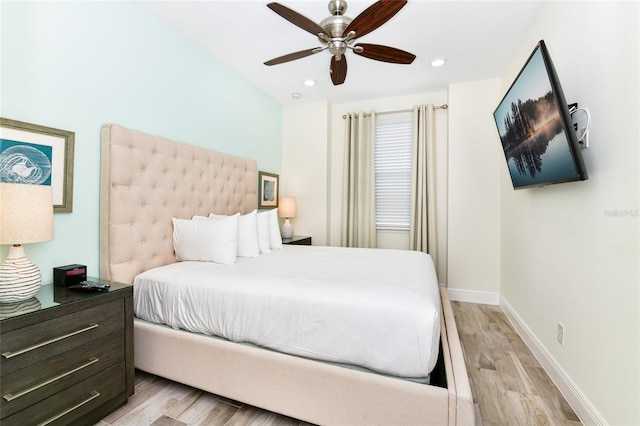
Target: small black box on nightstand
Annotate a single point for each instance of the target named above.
(64, 276)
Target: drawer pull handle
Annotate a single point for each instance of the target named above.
(93, 395)
(12, 396)
(48, 342)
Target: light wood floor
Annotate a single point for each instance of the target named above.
(508, 385)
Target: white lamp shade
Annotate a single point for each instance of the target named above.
(26, 213)
(26, 216)
(287, 207)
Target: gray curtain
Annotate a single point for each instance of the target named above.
(423, 187)
(358, 192)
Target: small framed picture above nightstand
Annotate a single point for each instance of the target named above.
(297, 240)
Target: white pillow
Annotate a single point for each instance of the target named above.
(206, 240)
(248, 235)
(274, 230)
(264, 242)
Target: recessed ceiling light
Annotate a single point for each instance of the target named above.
(309, 83)
(296, 95)
(438, 62)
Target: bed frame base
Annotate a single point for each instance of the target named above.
(304, 389)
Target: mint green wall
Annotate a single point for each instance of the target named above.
(78, 65)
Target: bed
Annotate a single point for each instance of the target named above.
(146, 181)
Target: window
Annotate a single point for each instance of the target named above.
(393, 171)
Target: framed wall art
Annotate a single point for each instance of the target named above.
(268, 187)
(38, 155)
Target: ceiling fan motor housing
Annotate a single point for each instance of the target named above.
(335, 25)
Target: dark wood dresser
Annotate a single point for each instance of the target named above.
(66, 357)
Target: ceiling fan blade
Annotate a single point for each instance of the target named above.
(374, 16)
(338, 70)
(384, 53)
(296, 19)
(293, 56)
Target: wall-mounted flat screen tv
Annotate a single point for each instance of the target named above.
(535, 127)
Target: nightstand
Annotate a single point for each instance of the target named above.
(66, 356)
(297, 240)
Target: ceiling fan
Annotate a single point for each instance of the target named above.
(338, 32)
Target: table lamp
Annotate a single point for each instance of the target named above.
(26, 216)
(287, 209)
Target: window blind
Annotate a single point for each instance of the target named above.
(393, 171)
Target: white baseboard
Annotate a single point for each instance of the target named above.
(572, 393)
(471, 296)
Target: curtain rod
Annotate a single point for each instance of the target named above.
(366, 114)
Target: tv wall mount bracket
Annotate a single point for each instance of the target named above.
(581, 122)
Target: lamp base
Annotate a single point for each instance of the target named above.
(287, 229)
(20, 278)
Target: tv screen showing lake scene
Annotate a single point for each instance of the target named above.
(533, 131)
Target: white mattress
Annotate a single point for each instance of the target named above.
(377, 309)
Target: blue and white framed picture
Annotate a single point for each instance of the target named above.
(268, 190)
(38, 155)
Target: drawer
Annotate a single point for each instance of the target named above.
(29, 345)
(35, 383)
(67, 406)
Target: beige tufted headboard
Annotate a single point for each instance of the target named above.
(147, 180)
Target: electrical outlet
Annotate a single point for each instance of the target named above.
(560, 335)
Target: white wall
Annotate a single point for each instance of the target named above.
(78, 65)
(570, 252)
(304, 167)
(475, 161)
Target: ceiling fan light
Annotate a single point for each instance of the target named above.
(337, 47)
(438, 62)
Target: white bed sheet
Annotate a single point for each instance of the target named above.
(374, 308)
